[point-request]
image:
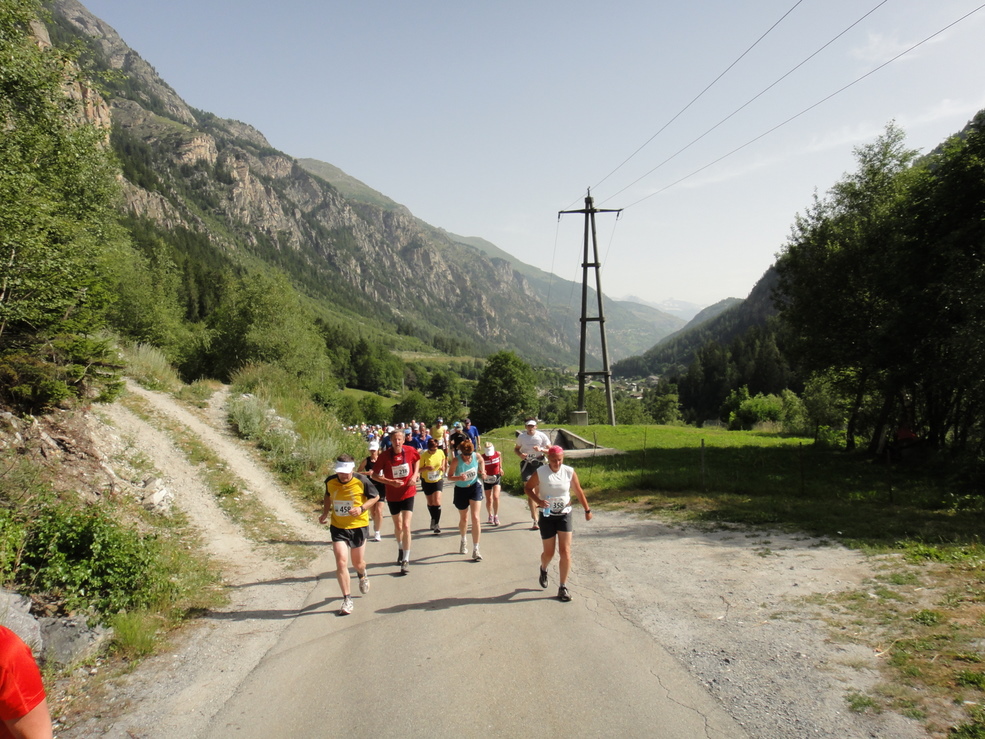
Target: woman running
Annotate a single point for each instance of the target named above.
(467, 471)
(549, 488)
(491, 482)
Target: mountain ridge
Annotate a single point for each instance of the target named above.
(349, 246)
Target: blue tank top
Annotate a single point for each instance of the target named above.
(469, 469)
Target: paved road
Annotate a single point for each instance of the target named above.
(461, 649)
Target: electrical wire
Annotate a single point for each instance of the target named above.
(809, 108)
(747, 103)
(700, 94)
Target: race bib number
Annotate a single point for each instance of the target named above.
(558, 504)
(490, 479)
(432, 475)
(343, 508)
(400, 471)
(470, 475)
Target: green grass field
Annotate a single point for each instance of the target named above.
(767, 479)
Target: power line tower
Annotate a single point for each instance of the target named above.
(590, 210)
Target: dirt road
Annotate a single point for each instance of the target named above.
(672, 632)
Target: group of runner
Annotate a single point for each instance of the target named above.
(354, 495)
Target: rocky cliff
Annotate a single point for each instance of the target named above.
(222, 178)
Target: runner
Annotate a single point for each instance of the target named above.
(467, 470)
(530, 448)
(23, 706)
(456, 437)
(434, 467)
(492, 481)
(440, 433)
(472, 432)
(366, 468)
(348, 500)
(397, 469)
(550, 490)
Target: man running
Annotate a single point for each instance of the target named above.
(549, 488)
(397, 468)
(530, 448)
(348, 500)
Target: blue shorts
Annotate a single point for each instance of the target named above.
(464, 495)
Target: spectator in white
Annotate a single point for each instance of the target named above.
(531, 445)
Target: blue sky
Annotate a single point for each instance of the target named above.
(487, 118)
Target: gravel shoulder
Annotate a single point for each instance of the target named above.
(731, 605)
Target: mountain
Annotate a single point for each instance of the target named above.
(680, 308)
(630, 326)
(722, 323)
(217, 187)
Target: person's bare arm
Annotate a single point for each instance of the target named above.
(530, 488)
(35, 724)
(582, 498)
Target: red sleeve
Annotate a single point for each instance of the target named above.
(21, 689)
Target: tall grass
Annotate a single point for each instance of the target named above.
(300, 436)
(149, 366)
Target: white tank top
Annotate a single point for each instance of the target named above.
(555, 488)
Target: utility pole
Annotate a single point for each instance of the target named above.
(590, 210)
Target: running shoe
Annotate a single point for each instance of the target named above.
(495, 520)
(490, 521)
(563, 595)
(377, 537)
(463, 547)
(346, 608)
(543, 578)
(476, 557)
(364, 585)
(405, 567)
(436, 531)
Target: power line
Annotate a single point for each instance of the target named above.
(808, 109)
(699, 95)
(748, 102)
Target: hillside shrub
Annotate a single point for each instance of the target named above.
(89, 561)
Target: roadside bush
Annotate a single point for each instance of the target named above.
(12, 536)
(89, 561)
(745, 411)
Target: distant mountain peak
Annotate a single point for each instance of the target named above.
(680, 308)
